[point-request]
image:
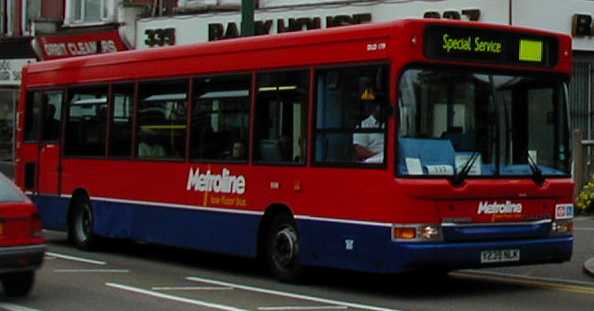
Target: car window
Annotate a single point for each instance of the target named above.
(9, 192)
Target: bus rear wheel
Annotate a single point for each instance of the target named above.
(282, 249)
(80, 225)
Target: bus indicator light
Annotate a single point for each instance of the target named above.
(530, 51)
(404, 233)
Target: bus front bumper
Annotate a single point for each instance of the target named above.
(463, 255)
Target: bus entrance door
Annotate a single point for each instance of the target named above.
(40, 151)
(49, 168)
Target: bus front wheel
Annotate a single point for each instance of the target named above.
(80, 225)
(282, 249)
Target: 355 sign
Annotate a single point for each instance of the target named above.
(159, 37)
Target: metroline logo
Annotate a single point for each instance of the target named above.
(217, 183)
(499, 208)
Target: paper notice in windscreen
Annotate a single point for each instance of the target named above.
(463, 158)
(413, 166)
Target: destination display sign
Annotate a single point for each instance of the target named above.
(489, 46)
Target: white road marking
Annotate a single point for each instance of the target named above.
(512, 276)
(174, 298)
(91, 271)
(293, 308)
(66, 257)
(583, 229)
(11, 307)
(290, 295)
(191, 288)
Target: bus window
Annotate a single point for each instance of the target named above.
(281, 117)
(350, 115)
(33, 116)
(492, 124)
(162, 119)
(52, 108)
(121, 120)
(86, 121)
(220, 117)
(44, 109)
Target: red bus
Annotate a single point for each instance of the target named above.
(382, 147)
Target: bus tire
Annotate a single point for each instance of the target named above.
(80, 224)
(282, 249)
(18, 284)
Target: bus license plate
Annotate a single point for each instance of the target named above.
(500, 255)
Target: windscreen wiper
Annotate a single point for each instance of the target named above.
(460, 176)
(536, 171)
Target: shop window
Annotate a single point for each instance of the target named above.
(8, 98)
(351, 108)
(162, 119)
(86, 122)
(31, 11)
(122, 99)
(220, 117)
(90, 11)
(281, 117)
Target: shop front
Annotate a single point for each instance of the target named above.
(14, 54)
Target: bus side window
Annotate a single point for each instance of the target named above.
(162, 119)
(86, 122)
(52, 115)
(33, 116)
(121, 120)
(220, 118)
(351, 107)
(281, 117)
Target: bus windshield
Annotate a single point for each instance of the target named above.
(472, 124)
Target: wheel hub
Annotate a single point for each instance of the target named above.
(285, 247)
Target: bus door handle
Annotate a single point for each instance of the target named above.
(48, 146)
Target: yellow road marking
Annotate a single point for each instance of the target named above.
(526, 281)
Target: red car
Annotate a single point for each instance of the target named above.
(22, 246)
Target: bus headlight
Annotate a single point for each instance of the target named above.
(563, 223)
(561, 227)
(416, 233)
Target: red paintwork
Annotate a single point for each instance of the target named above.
(345, 193)
(19, 221)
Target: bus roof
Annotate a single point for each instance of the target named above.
(311, 47)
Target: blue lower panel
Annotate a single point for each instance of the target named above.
(53, 210)
(351, 246)
(370, 248)
(220, 232)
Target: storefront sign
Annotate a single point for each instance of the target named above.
(10, 71)
(274, 17)
(581, 25)
(62, 46)
(219, 31)
(160, 37)
(473, 15)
